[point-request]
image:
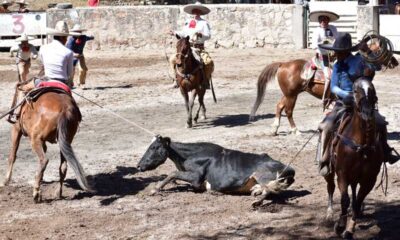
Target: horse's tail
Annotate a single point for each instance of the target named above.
(67, 118)
(266, 76)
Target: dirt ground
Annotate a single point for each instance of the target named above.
(135, 84)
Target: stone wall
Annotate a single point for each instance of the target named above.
(145, 27)
(367, 20)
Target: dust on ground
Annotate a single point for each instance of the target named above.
(136, 86)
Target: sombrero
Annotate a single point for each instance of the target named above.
(342, 43)
(61, 29)
(78, 28)
(22, 2)
(316, 14)
(189, 8)
(7, 3)
(24, 38)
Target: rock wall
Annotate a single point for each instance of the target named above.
(367, 20)
(145, 27)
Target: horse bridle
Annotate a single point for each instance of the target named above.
(184, 75)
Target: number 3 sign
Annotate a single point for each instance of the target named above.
(19, 26)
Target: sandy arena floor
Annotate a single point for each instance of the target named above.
(136, 86)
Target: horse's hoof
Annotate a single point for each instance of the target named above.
(338, 229)
(329, 215)
(347, 235)
(153, 192)
(203, 118)
(295, 131)
(58, 194)
(37, 198)
(188, 125)
(272, 133)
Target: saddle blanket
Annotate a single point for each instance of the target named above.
(56, 84)
(313, 69)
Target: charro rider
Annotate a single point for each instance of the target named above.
(198, 30)
(324, 33)
(77, 44)
(346, 70)
(22, 6)
(4, 6)
(24, 51)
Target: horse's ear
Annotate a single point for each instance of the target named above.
(187, 38)
(177, 36)
(167, 141)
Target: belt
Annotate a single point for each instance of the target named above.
(59, 79)
(197, 45)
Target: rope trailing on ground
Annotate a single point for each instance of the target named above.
(116, 114)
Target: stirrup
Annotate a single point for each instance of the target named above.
(10, 119)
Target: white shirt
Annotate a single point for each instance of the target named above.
(320, 34)
(193, 26)
(24, 55)
(57, 60)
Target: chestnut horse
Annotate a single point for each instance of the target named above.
(357, 156)
(190, 78)
(289, 78)
(51, 117)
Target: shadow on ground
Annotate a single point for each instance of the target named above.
(114, 185)
(235, 120)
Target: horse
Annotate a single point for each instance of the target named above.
(51, 116)
(356, 158)
(397, 8)
(291, 83)
(190, 78)
(289, 76)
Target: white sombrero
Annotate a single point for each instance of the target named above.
(189, 8)
(316, 14)
(78, 28)
(22, 2)
(6, 3)
(61, 29)
(24, 38)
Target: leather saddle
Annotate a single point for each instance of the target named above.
(312, 71)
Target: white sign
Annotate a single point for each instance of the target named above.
(389, 29)
(14, 24)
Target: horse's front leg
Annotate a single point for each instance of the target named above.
(330, 180)
(201, 106)
(186, 98)
(345, 203)
(15, 140)
(277, 121)
(192, 97)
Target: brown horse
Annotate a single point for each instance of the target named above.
(190, 77)
(357, 157)
(289, 78)
(51, 117)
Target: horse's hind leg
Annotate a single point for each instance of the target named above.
(289, 106)
(190, 112)
(279, 108)
(37, 146)
(201, 106)
(15, 139)
(330, 180)
(63, 173)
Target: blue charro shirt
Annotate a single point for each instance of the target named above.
(346, 72)
(77, 44)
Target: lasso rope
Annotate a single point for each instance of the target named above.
(116, 114)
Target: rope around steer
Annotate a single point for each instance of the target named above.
(116, 114)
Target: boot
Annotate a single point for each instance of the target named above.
(323, 157)
(391, 155)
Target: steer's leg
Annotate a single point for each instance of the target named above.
(193, 178)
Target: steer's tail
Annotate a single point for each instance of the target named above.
(65, 123)
(265, 77)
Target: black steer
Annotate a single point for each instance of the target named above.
(212, 167)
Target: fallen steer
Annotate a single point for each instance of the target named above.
(207, 166)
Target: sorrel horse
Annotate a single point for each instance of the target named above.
(190, 77)
(289, 78)
(51, 117)
(357, 157)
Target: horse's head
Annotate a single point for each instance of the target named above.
(183, 50)
(156, 154)
(365, 98)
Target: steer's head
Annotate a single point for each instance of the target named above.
(156, 154)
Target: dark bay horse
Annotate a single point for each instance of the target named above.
(357, 157)
(190, 78)
(51, 117)
(289, 78)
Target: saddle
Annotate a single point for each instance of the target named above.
(312, 71)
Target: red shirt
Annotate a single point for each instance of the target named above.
(93, 3)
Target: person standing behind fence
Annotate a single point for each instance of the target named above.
(77, 44)
(22, 6)
(4, 6)
(24, 51)
(199, 31)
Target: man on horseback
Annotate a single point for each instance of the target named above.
(198, 30)
(325, 33)
(346, 70)
(57, 64)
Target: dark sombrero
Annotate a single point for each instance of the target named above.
(342, 43)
